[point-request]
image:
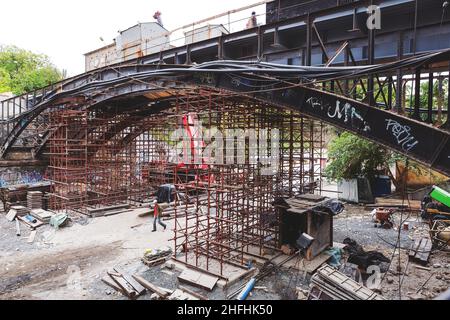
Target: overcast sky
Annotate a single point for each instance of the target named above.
(66, 29)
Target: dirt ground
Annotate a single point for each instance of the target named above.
(69, 263)
(356, 223)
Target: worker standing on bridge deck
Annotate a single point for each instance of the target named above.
(157, 17)
(252, 22)
(157, 211)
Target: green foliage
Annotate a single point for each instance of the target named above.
(5, 80)
(22, 71)
(351, 157)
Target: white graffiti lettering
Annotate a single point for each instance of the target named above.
(314, 103)
(402, 135)
(347, 113)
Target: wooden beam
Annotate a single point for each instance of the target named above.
(150, 286)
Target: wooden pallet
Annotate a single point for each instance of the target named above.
(420, 250)
(337, 286)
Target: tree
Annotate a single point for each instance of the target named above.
(352, 157)
(22, 71)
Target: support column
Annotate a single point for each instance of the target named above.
(416, 113)
(399, 94)
(371, 61)
(260, 53)
(308, 40)
(430, 97)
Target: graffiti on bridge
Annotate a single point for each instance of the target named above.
(341, 111)
(402, 135)
(10, 177)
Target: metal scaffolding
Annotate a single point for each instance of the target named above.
(222, 209)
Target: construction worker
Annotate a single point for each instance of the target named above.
(157, 211)
(252, 22)
(157, 17)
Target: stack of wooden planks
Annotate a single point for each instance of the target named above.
(397, 203)
(34, 200)
(420, 250)
(330, 284)
(17, 194)
(131, 286)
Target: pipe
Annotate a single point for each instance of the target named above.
(247, 289)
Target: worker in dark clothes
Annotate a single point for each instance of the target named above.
(157, 211)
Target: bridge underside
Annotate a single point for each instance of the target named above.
(108, 137)
(123, 150)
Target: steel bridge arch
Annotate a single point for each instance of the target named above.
(414, 139)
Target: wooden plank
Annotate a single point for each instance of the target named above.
(150, 286)
(297, 211)
(11, 215)
(420, 251)
(414, 248)
(181, 295)
(121, 282)
(32, 236)
(426, 251)
(421, 268)
(311, 197)
(155, 262)
(107, 280)
(342, 285)
(108, 208)
(198, 279)
(413, 204)
(31, 225)
(193, 293)
(136, 285)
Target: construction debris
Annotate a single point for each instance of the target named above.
(420, 251)
(414, 205)
(154, 257)
(192, 293)
(382, 217)
(330, 284)
(198, 279)
(58, 220)
(151, 287)
(124, 283)
(17, 228)
(16, 211)
(104, 211)
(34, 200)
(440, 233)
(182, 295)
(11, 216)
(30, 221)
(32, 236)
(17, 194)
(42, 215)
(363, 259)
